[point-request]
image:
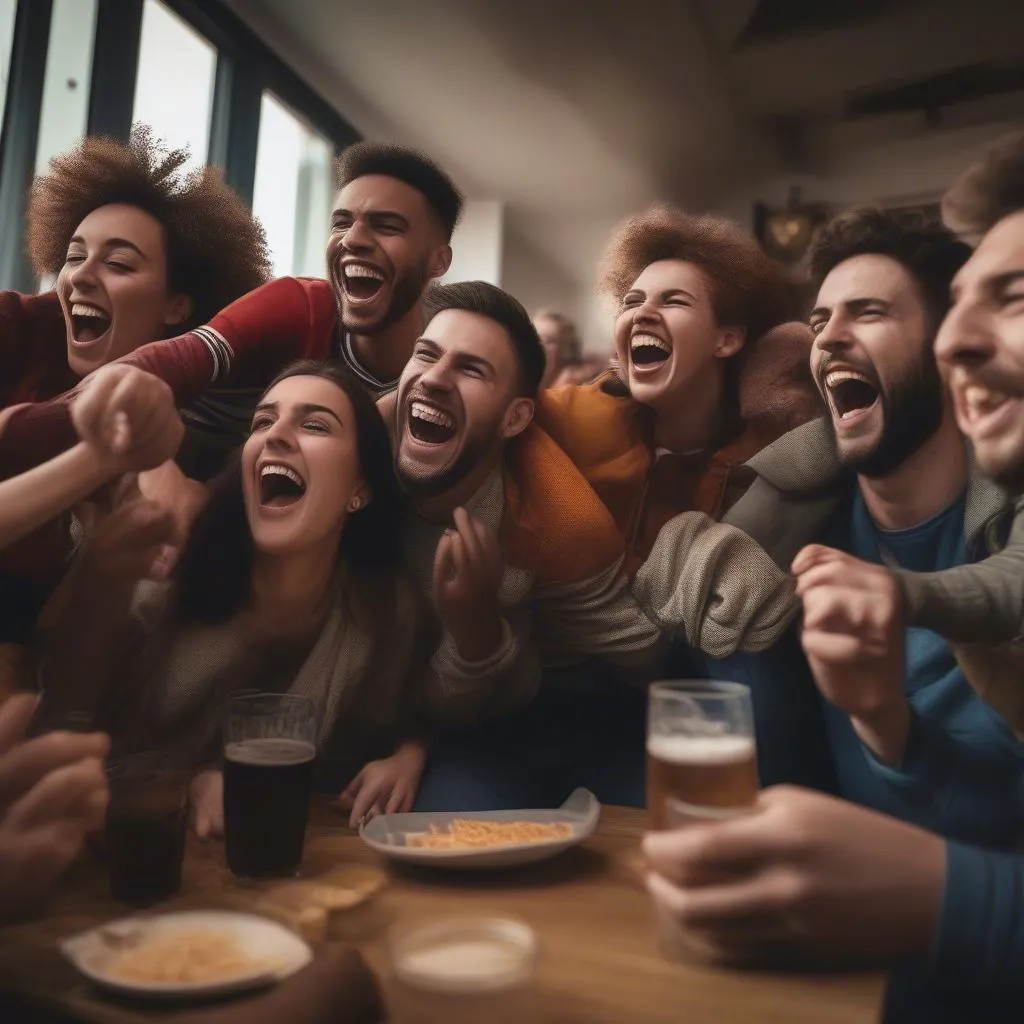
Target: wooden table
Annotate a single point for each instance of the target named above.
(599, 959)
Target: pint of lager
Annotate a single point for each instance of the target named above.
(700, 747)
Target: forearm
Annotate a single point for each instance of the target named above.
(713, 587)
(962, 789)
(43, 493)
(979, 945)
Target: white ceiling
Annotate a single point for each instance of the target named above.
(574, 112)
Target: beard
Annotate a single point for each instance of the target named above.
(477, 449)
(912, 409)
(406, 293)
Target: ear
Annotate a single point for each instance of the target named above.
(518, 416)
(440, 261)
(361, 497)
(179, 308)
(730, 341)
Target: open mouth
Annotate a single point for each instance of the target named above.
(849, 393)
(647, 350)
(361, 281)
(88, 323)
(981, 410)
(429, 424)
(280, 486)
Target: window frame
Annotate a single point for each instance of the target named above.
(246, 67)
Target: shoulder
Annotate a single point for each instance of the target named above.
(555, 525)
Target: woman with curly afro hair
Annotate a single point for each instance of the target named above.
(707, 374)
(141, 249)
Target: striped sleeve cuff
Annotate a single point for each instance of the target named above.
(220, 352)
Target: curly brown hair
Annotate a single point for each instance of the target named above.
(748, 288)
(216, 249)
(989, 190)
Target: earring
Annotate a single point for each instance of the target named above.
(355, 504)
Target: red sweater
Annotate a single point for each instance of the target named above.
(242, 346)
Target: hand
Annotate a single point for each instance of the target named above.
(53, 792)
(853, 637)
(129, 415)
(385, 787)
(206, 795)
(182, 497)
(468, 570)
(804, 880)
(131, 543)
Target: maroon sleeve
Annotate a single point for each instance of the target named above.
(243, 345)
(33, 351)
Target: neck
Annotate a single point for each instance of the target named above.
(925, 484)
(439, 508)
(386, 352)
(691, 420)
(289, 594)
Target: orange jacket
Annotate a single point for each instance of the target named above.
(609, 438)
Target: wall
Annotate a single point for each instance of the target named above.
(478, 242)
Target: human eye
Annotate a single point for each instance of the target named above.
(316, 426)
(817, 324)
(261, 422)
(631, 300)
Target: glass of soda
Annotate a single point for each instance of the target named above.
(269, 749)
(146, 823)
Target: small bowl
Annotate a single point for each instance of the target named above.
(464, 955)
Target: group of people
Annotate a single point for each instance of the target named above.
(365, 489)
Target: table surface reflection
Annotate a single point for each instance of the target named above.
(599, 959)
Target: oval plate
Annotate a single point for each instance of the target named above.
(92, 952)
(387, 834)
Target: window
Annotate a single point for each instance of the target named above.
(8, 9)
(174, 87)
(65, 110)
(293, 191)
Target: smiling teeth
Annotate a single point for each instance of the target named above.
(358, 270)
(836, 377)
(427, 412)
(981, 400)
(272, 469)
(648, 341)
(82, 309)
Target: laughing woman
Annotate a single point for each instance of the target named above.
(291, 581)
(706, 377)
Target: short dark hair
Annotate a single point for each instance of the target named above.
(216, 250)
(214, 572)
(408, 165)
(989, 190)
(487, 300)
(929, 252)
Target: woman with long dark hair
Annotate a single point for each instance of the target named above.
(292, 580)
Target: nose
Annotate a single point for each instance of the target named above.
(833, 336)
(964, 338)
(358, 236)
(437, 376)
(645, 313)
(82, 276)
(280, 435)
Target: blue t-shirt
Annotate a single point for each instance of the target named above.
(963, 768)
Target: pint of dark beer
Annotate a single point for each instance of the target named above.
(269, 750)
(700, 747)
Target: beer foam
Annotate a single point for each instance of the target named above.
(276, 752)
(700, 749)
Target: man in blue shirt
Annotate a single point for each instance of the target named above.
(809, 876)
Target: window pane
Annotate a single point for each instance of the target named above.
(8, 9)
(293, 191)
(65, 110)
(174, 87)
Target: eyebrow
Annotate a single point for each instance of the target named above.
(462, 358)
(304, 408)
(114, 243)
(855, 306)
(666, 294)
(375, 216)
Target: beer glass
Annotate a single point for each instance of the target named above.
(700, 746)
(269, 748)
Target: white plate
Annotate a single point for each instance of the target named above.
(93, 952)
(386, 834)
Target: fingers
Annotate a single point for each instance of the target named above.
(758, 895)
(15, 717)
(27, 763)
(443, 565)
(399, 802)
(76, 791)
(838, 648)
(91, 406)
(816, 554)
(695, 853)
(366, 801)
